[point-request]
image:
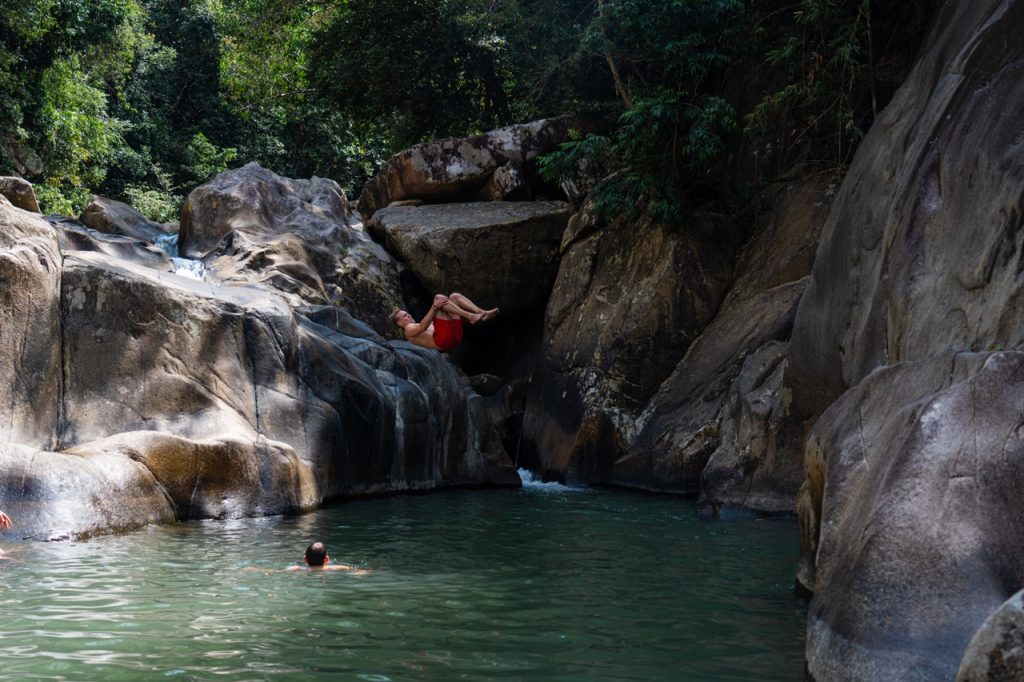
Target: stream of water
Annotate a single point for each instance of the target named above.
(543, 583)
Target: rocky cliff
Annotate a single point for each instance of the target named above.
(139, 395)
(905, 362)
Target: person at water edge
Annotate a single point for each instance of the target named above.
(441, 327)
(5, 522)
(317, 557)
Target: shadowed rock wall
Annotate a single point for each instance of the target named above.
(911, 503)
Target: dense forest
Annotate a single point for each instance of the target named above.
(679, 101)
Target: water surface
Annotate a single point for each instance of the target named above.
(544, 583)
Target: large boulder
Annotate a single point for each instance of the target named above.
(57, 496)
(74, 236)
(996, 651)
(495, 165)
(922, 250)
(250, 225)
(629, 298)
(501, 254)
(30, 328)
(116, 217)
(714, 425)
(141, 396)
(920, 521)
(921, 257)
(19, 192)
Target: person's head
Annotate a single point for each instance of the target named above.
(316, 554)
(401, 318)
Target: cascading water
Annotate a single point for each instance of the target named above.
(186, 267)
(532, 482)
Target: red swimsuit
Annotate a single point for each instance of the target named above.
(447, 333)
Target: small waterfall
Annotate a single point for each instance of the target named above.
(534, 483)
(186, 267)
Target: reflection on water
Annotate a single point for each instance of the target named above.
(541, 583)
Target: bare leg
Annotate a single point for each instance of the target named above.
(450, 309)
(466, 304)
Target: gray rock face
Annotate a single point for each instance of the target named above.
(73, 236)
(715, 425)
(997, 650)
(141, 396)
(30, 329)
(502, 254)
(19, 192)
(628, 300)
(250, 225)
(459, 168)
(922, 466)
(921, 252)
(910, 512)
(116, 217)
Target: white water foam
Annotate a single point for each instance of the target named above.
(189, 268)
(532, 482)
(186, 267)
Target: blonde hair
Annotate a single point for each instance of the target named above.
(394, 315)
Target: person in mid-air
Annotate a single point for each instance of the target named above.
(441, 327)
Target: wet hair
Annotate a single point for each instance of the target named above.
(316, 554)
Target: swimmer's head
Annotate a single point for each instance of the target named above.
(316, 554)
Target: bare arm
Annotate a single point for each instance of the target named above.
(5, 520)
(416, 328)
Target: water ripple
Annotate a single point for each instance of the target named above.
(470, 586)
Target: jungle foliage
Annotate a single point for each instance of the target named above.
(144, 99)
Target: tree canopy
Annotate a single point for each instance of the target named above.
(144, 99)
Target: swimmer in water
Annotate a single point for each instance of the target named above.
(317, 559)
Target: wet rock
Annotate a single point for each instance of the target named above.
(250, 225)
(997, 650)
(19, 192)
(116, 217)
(500, 254)
(458, 168)
(57, 496)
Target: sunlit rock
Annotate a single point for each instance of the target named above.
(74, 236)
(250, 225)
(116, 217)
(500, 254)
(30, 329)
(457, 169)
(57, 496)
(19, 192)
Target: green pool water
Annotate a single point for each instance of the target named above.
(543, 583)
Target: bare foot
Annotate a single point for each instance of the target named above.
(479, 317)
(490, 314)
